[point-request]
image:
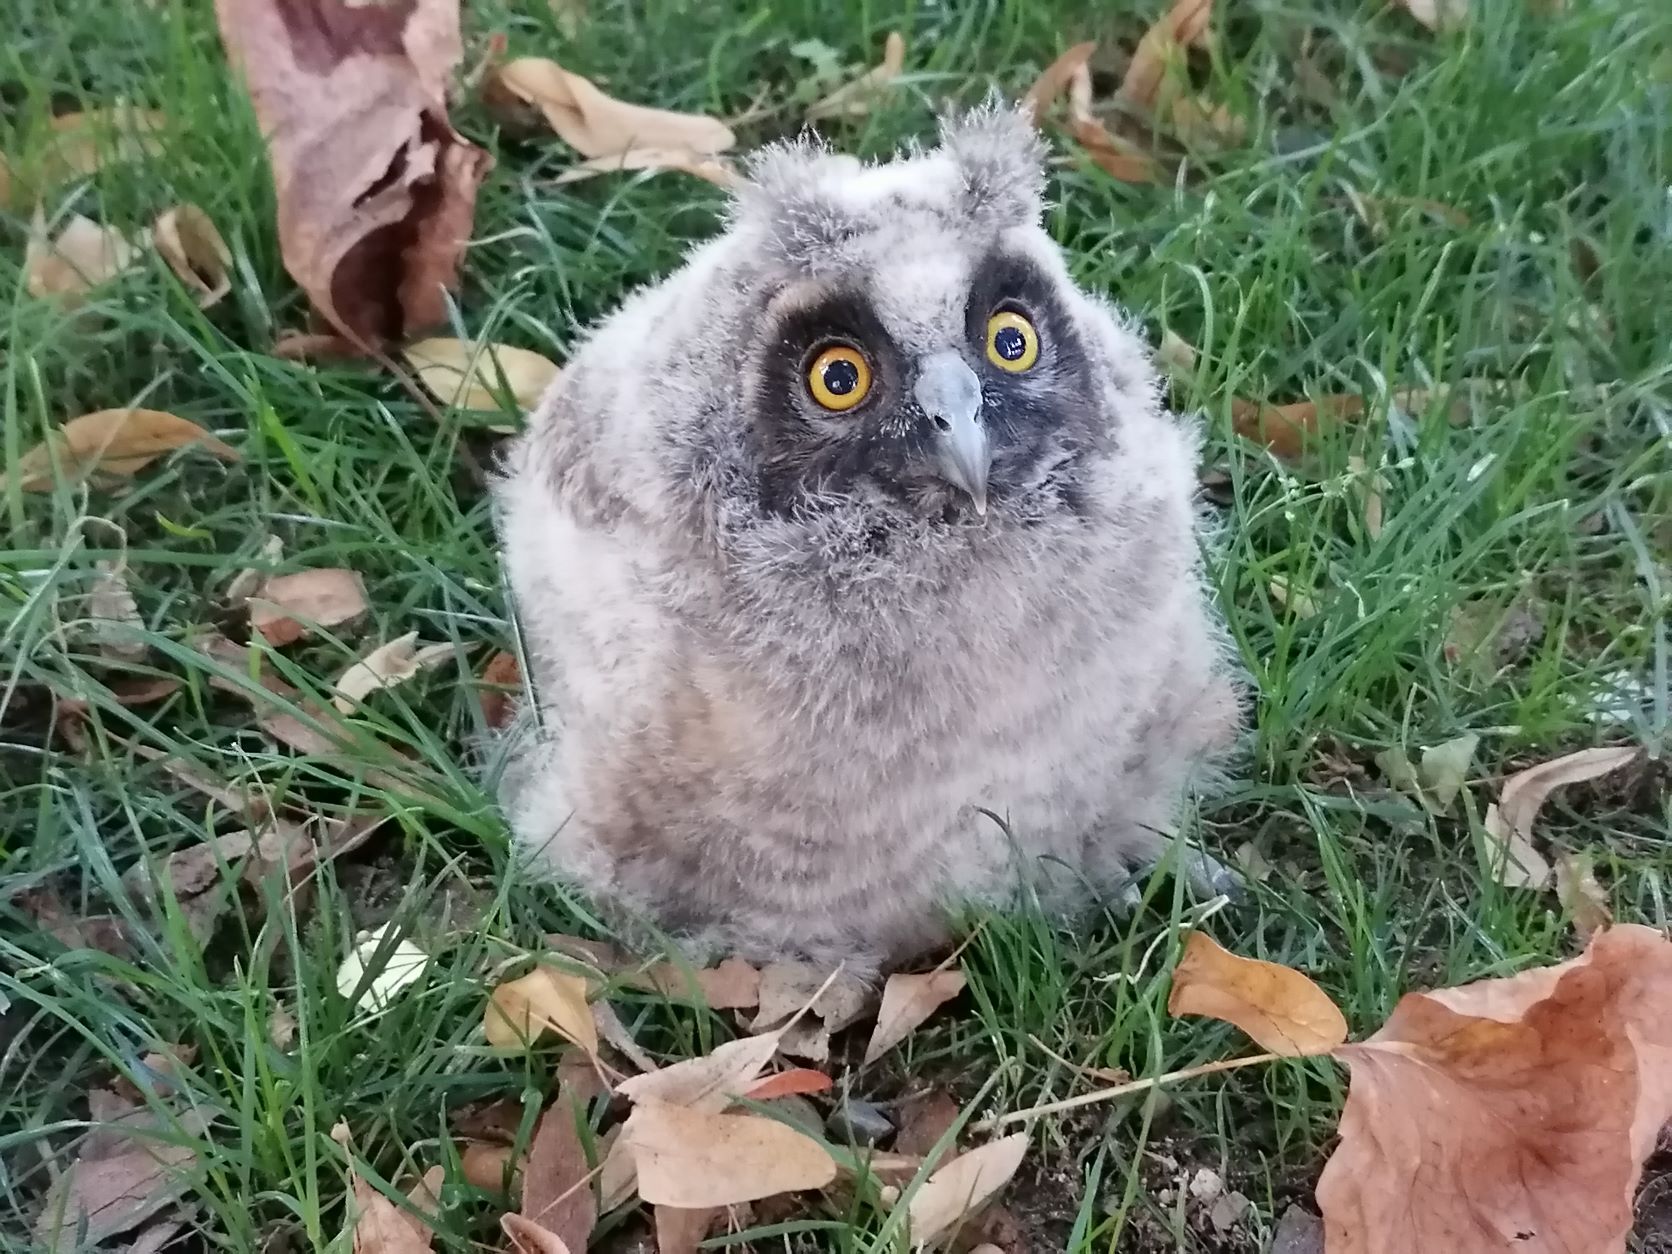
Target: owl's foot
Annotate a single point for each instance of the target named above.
(1205, 876)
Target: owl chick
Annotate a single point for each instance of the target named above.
(858, 570)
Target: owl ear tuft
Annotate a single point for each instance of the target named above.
(1002, 159)
(788, 193)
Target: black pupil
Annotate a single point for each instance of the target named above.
(1010, 343)
(841, 377)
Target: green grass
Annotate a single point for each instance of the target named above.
(1551, 485)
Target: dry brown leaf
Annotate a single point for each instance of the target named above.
(1438, 14)
(107, 933)
(288, 606)
(615, 1032)
(376, 191)
(617, 1180)
(110, 441)
(1284, 428)
(187, 240)
(156, 1237)
(908, 1000)
(113, 619)
(520, 1010)
(1186, 22)
(962, 1187)
(83, 256)
(528, 1237)
(1294, 599)
(97, 1198)
(1054, 80)
(716, 170)
(500, 683)
(1283, 1011)
(597, 125)
(695, 1158)
(796, 1082)
(281, 1028)
(1510, 1114)
(125, 692)
(75, 146)
(470, 375)
(680, 1231)
(382, 1227)
(710, 1083)
(1581, 896)
(385, 667)
(1197, 120)
(852, 100)
(1510, 822)
(924, 1120)
(555, 1193)
(832, 1002)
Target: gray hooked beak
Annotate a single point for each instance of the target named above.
(948, 391)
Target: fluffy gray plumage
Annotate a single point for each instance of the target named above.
(783, 662)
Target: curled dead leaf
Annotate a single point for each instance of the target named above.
(520, 1011)
(1283, 1011)
(856, 99)
(962, 1187)
(1581, 896)
(595, 124)
(1054, 80)
(1509, 824)
(385, 667)
(113, 619)
(382, 1227)
(83, 256)
(1118, 157)
(470, 375)
(711, 1082)
(1508, 1114)
(908, 1000)
(376, 190)
(1284, 429)
(1184, 23)
(716, 170)
(288, 606)
(186, 238)
(695, 1158)
(110, 441)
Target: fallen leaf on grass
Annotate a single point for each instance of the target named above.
(797, 1081)
(107, 933)
(1444, 769)
(615, 1032)
(710, 1083)
(1283, 1011)
(83, 256)
(528, 1237)
(1510, 1114)
(908, 1000)
(1119, 158)
(382, 1227)
(1438, 14)
(695, 1158)
(196, 876)
(832, 1002)
(156, 1237)
(1054, 80)
(1299, 602)
(1185, 23)
(385, 667)
(1509, 824)
(855, 99)
(376, 191)
(281, 1028)
(113, 620)
(1581, 896)
(483, 1166)
(397, 966)
(519, 1011)
(716, 170)
(555, 1193)
(187, 240)
(962, 1187)
(110, 441)
(500, 683)
(1284, 429)
(598, 125)
(75, 146)
(287, 606)
(96, 1198)
(924, 1120)
(469, 375)
(681, 1231)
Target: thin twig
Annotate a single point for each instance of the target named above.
(1121, 1090)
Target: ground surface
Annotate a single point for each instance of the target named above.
(1540, 504)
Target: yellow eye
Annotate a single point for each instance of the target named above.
(839, 377)
(1012, 343)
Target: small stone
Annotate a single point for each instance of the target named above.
(1206, 1186)
(859, 1123)
(1228, 1211)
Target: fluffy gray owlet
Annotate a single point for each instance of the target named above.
(865, 521)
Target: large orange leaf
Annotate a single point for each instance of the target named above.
(1509, 1116)
(111, 441)
(1285, 1012)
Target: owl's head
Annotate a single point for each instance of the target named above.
(908, 337)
